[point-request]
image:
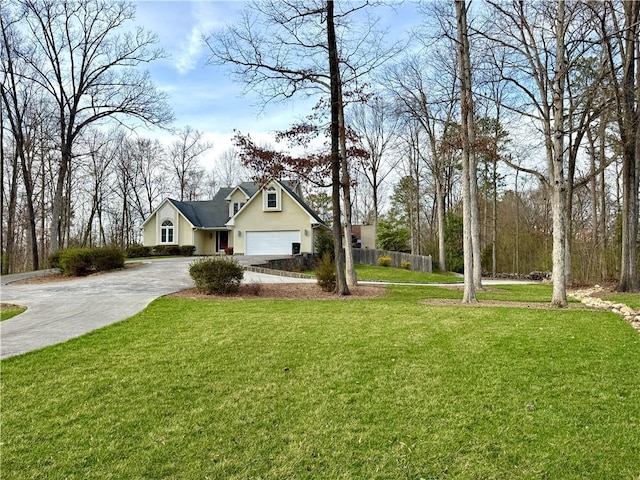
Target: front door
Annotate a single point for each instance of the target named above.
(223, 240)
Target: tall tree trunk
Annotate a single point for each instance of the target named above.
(341, 283)
(468, 162)
(57, 204)
(558, 185)
(350, 269)
(517, 239)
(442, 253)
(494, 220)
(629, 133)
(8, 240)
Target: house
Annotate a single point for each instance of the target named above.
(365, 236)
(252, 220)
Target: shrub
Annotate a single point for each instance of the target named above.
(216, 275)
(187, 250)
(166, 250)
(324, 244)
(137, 251)
(326, 273)
(384, 261)
(406, 265)
(76, 262)
(54, 259)
(228, 250)
(106, 258)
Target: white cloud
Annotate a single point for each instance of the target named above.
(191, 49)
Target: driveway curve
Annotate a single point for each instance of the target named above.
(59, 311)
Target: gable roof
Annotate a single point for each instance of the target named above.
(248, 188)
(214, 213)
(206, 214)
(288, 187)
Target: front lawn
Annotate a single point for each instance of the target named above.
(282, 389)
(630, 299)
(523, 292)
(401, 275)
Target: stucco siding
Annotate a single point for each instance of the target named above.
(290, 217)
(184, 235)
(237, 197)
(149, 237)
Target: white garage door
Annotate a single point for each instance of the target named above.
(270, 243)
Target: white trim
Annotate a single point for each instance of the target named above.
(258, 194)
(169, 228)
(272, 190)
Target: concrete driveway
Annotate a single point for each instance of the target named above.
(59, 311)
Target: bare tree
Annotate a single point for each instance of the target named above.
(150, 180)
(469, 174)
(90, 72)
(422, 99)
(184, 161)
(19, 105)
(229, 168)
(377, 128)
(535, 37)
(623, 49)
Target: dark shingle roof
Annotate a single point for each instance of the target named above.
(206, 214)
(215, 213)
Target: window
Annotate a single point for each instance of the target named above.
(237, 206)
(272, 198)
(166, 232)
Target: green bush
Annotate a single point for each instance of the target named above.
(106, 258)
(137, 251)
(326, 273)
(384, 261)
(324, 244)
(187, 250)
(76, 262)
(220, 275)
(166, 250)
(406, 265)
(54, 259)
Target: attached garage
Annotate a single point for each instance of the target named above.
(271, 243)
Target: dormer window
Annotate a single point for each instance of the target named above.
(271, 199)
(237, 206)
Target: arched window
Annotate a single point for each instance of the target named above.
(166, 232)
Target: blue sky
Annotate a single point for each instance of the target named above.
(205, 96)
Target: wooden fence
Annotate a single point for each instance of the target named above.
(419, 263)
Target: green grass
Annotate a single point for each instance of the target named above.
(526, 293)
(7, 313)
(379, 388)
(630, 299)
(390, 274)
